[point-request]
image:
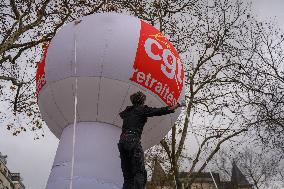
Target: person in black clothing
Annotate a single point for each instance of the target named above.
(131, 152)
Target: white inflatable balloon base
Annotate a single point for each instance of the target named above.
(97, 162)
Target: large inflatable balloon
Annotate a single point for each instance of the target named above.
(91, 67)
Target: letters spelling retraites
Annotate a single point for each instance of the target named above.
(162, 89)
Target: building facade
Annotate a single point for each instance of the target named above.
(9, 180)
(160, 180)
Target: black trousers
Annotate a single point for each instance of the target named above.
(132, 163)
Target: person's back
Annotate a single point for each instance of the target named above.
(135, 117)
(131, 152)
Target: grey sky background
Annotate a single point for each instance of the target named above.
(34, 158)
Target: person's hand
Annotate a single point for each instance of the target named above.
(174, 106)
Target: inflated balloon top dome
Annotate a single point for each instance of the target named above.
(112, 56)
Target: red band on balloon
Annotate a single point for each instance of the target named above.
(40, 73)
(157, 65)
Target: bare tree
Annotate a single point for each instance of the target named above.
(261, 168)
(210, 41)
(237, 63)
(262, 78)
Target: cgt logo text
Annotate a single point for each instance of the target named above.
(157, 65)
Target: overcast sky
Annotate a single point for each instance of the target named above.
(33, 159)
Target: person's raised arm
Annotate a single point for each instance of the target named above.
(150, 112)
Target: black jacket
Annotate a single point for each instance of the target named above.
(135, 117)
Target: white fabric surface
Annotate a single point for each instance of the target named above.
(97, 162)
